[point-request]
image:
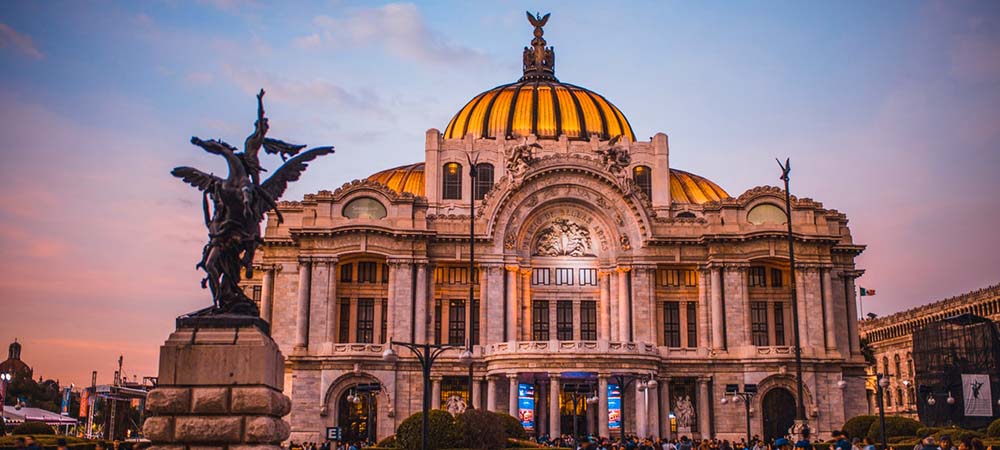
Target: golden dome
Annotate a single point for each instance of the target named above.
(546, 108)
(685, 187)
(539, 104)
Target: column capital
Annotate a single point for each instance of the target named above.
(512, 268)
(623, 269)
(325, 259)
(663, 378)
(644, 266)
(490, 266)
(512, 376)
(305, 259)
(526, 271)
(437, 377)
(399, 262)
(704, 380)
(604, 375)
(267, 267)
(553, 376)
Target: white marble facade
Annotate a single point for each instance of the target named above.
(583, 276)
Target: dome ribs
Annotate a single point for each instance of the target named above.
(556, 112)
(579, 113)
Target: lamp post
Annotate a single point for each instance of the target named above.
(746, 395)
(880, 385)
(800, 406)
(624, 381)
(473, 176)
(426, 354)
(4, 379)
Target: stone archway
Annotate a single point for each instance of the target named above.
(338, 411)
(357, 416)
(778, 412)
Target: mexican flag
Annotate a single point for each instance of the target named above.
(867, 292)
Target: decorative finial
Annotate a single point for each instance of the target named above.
(539, 60)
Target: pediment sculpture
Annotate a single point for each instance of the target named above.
(564, 237)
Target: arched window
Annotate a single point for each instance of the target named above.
(686, 215)
(643, 178)
(885, 365)
(888, 397)
(909, 365)
(451, 181)
(484, 180)
(899, 397)
(766, 213)
(895, 362)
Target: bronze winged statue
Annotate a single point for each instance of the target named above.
(235, 206)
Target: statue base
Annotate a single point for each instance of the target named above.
(212, 318)
(219, 388)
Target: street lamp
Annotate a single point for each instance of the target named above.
(466, 356)
(624, 381)
(880, 385)
(800, 407)
(746, 396)
(426, 354)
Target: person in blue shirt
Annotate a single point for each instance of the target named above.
(842, 443)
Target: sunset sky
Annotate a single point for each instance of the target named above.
(890, 112)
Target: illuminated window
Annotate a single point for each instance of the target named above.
(540, 277)
(484, 180)
(643, 180)
(451, 188)
(256, 290)
(766, 213)
(564, 276)
(588, 277)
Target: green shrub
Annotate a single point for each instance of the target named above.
(481, 430)
(442, 432)
(957, 434)
(923, 432)
(511, 426)
(389, 442)
(894, 426)
(31, 427)
(994, 429)
(857, 427)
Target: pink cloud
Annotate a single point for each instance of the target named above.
(20, 43)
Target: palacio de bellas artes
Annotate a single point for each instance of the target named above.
(258, 225)
(597, 264)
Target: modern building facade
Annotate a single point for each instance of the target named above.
(891, 341)
(596, 263)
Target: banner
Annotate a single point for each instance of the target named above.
(84, 402)
(977, 396)
(614, 407)
(67, 392)
(526, 405)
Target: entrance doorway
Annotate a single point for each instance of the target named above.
(574, 408)
(357, 413)
(779, 413)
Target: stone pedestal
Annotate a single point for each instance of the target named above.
(219, 389)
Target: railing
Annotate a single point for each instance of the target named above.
(571, 347)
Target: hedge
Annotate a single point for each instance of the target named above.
(481, 430)
(857, 427)
(442, 433)
(957, 434)
(389, 442)
(49, 442)
(994, 429)
(32, 427)
(894, 426)
(511, 426)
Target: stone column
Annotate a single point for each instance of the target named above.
(302, 315)
(664, 407)
(493, 303)
(641, 419)
(718, 336)
(828, 312)
(420, 308)
(484, 304)
(266, 292)
(331, 308)
(512, 306)
(704, 335)
(743, 301)
(319, 304)
(435, 392)
(704, 398)
(525, 304)
(491, 394)
(604, 309)
(613, 306)
(400, 296)
(477, 393)
(804, 311)
(623, 309)
(643, 308)
(602, 405)
(219, 387)
(542, 410)
(653, 412)
(852, 313)
(512, 398)
(555, 418)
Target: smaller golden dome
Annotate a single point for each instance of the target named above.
(685, 187)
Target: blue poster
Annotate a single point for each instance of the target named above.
(614, 407)
(526, 405)
(67, 392)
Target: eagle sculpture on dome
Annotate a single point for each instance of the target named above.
(234, 207)
(539, 60)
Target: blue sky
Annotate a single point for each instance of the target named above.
(889, 110)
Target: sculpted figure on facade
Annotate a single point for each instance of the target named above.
(520, 158)
(456, 405)
(685, 412)
(564, 238)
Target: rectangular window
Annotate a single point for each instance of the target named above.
(588, 321)
(440, 275)
(256, 294)
(451, 182)
(346, 273)
(672, 324)
(385, 273)
(384, 320)
(455, 275)
(758, 323)
(540, 277)
(475, 322)
(456, 322)
(366, 320)
(540, 320)
(366, 272)
(564, 276)
(484, 180)
(776, 279)
(692, 322)
(588, 277)
(758, 276)
(690, 278)
(779, 323)
(564, 320)
(344, 334)
(437, 321)
(670, 277)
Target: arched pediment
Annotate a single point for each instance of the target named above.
(370, 188)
